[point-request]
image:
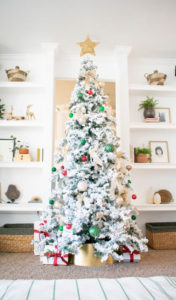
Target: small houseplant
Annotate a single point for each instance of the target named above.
(22, 147)
(142, 154)
(149, 107)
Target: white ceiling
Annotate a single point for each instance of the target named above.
(149, 26)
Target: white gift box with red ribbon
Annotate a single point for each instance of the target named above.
(129, 256)
(54, 257)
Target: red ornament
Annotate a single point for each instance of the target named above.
(90, 92)
(64, 173)
(69, 226)
(83, 158)
(55, 247)
(62, 167)
(134, 196)
(45, 221)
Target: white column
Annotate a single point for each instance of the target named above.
(122, 98)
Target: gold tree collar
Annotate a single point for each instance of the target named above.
(88, 46)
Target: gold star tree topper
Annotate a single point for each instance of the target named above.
(88, 46)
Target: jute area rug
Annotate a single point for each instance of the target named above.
(27, 266)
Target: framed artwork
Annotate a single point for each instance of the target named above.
(163, 114)
(6, 150)
(159, 151)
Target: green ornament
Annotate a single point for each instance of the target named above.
(94, 231)
(53, 169)
(101, 108)
(109, 148)
(51, 202)
(70, 115)
(129, 181)
(61, 228)
(79, 95)
(83, 142)
(133, 217)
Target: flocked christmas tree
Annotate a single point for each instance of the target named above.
(91, 186)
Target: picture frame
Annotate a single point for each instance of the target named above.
(159, 151)
(163, 114)
(6, 150)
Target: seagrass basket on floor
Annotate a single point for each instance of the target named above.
(161, 235)
(16, 238)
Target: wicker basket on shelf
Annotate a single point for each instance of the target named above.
(16, 238)
(161, 235)
(166, 196)
(16, 74)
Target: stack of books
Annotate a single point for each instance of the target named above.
(151, 120)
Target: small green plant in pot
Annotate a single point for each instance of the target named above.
(142, 155)
(149, 107)
(22, 147)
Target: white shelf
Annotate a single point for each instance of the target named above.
(19, 207)
(156, 207)
(143, 125)
(152, 88)
(23, 84)
(26, 165)
(25, 123)
(154, 166)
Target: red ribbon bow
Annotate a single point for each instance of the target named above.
(126, 250)
(46, 234)
(56, 255)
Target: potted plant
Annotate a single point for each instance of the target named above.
(22, 147)
(149, 107)
(142, 154)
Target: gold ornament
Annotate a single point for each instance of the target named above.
(119, 201)
(128, 167)
(90, 76)
(101, 216)
(57, 204)
(82, 120)
(119, 154)
(87, 46)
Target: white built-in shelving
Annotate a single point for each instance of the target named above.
(152, 126)
(152, 88)
(25, 165)
(28, 207)
(26, 123)
(156, 207)
(26, 84)
(154, 166)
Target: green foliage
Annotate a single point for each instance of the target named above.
(18, 144)
(142, 150)
(2, 109)
(150, 101)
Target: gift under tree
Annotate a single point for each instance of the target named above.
(91, 194)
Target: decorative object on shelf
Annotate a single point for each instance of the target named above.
(11, 117)
(29, 114)
(129, 256)
(7, 147)
(87, 46)
(149, 107)
(156, 198)
(12, 193)
(22, 157)
(150, 193)
(85, 257)
(35, 199)
(155, 78)
(151, 120)
(129, 167)
(22, 147)
(159, 151)
(163, 114)
(16, 74)
(165, 195)
(16, 238)
(2, 110)
(40, 154)
(142, 155)
(161, 235)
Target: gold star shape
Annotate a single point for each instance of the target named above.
(87, 46)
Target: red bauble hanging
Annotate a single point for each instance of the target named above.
(69, 226)
(134, 196)
(45, 221)
(62, 167)
(84, 158)
(90, 92)
(64, 173)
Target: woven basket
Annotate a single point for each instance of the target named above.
(16, 238)
(166, 196)
(16, 74)
(161, 236)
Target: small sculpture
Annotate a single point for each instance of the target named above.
(12, 193)
(11, 117)
(29, 114)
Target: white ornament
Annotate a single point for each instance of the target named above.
(82, 120)
(81, 110)
(57, 204)
(82, 186)
(157, 198)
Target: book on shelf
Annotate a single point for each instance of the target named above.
(151, 120)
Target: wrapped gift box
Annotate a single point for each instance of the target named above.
(54, 257)
(39, 233)
(129, 256)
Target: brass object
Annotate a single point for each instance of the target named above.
(155, 78)
(87, 46)
(86, 257)
(16, 74)
(166, 196)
